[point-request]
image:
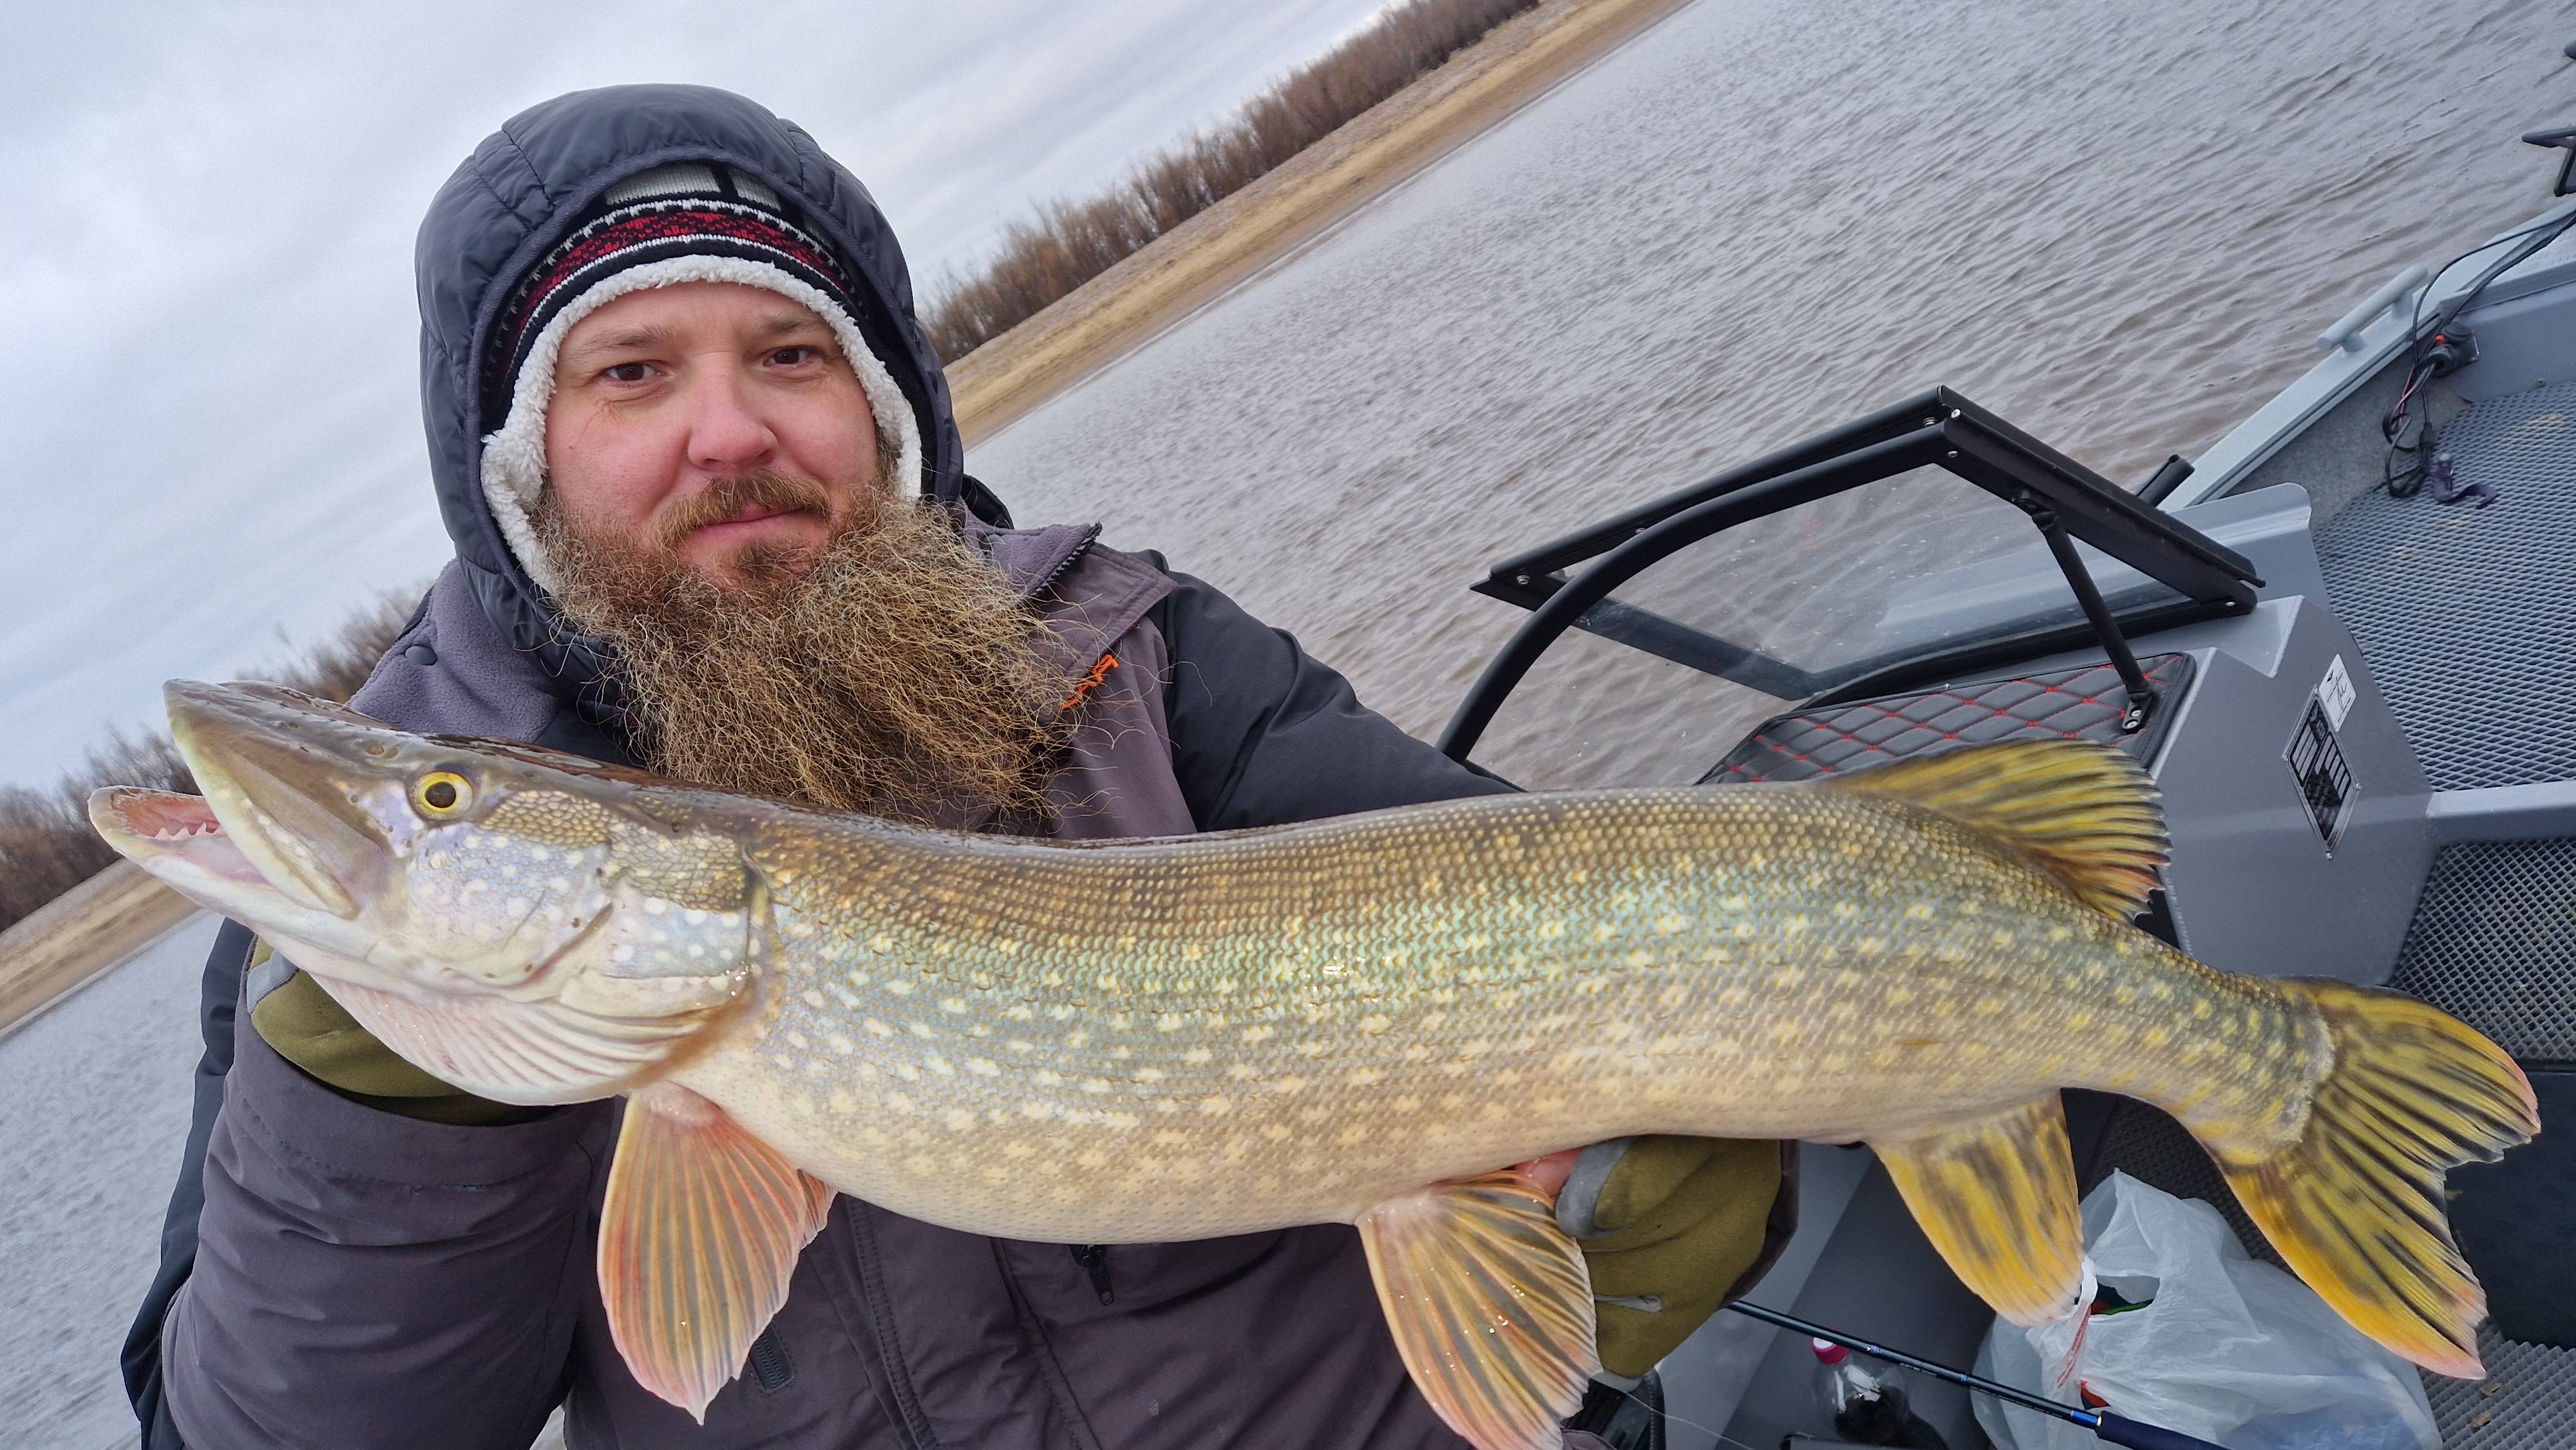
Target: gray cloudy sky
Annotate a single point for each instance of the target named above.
(210, 447)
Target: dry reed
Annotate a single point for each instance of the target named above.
(46, 844)
(1070, 242)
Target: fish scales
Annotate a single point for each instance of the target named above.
(1360, 1020)
(1045, 1042)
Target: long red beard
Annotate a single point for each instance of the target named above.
(894, 673)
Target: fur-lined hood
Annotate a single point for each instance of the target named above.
(520, 193)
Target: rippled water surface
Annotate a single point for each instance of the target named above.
(2117, 225)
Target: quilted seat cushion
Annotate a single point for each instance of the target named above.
(2084, 703)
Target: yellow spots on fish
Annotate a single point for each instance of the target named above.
(1078, 1039)
(2060, 933)
(1092, 1158)
(2201, 1010)
(920, 1029)
(1037, 1112)
(1788, 977)
(1095, 1084)
(1170, 1022)
(1192, 951)
(1784, 1032)
(898, 987)
(1148, 1074)
(1215, 1105)
(1919, 911)
(1550, 930)
(983, 1067)
(877, 1028)
(1120, 1121)
(841, 1044)
(2124, 994)
(1352, 1136)
(952, 1004)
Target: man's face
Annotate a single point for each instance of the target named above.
(716, 423)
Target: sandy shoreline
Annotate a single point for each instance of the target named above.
(106, 919)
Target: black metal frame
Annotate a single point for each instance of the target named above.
(1938, 429)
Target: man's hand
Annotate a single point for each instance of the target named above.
(1667, 1226)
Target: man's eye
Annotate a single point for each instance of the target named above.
(789, 357)
(634, 372)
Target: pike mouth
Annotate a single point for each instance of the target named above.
(176, 838)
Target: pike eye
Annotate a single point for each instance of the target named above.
(442, 793)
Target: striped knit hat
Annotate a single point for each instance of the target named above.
(690, 222)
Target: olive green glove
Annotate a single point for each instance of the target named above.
(1671, 1228)
(302, 1023)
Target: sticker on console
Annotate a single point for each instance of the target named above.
(2316, 759)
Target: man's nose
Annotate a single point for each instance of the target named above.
(726, 430)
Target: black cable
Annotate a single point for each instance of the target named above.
(2419, 454)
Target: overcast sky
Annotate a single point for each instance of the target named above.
(208, 415)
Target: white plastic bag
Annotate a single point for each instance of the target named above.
(2228, 1348)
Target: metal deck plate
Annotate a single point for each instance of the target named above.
(2526, 1402)
(2467, 614)
(2493, 943)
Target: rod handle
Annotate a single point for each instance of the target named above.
(2121, 1430)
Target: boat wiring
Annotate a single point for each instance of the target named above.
(2439, 349)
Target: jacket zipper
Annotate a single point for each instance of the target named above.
(1065, 565)
(1094, 1259)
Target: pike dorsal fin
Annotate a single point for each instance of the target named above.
(697, 1241)
(1996, 1196)
(1490, 1305)
(2082, 812)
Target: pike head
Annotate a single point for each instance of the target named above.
(525, 925)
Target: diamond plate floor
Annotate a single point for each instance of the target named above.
(2526, 1402)
(2493, 943)
(2466, 614)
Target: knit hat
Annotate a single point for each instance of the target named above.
(690, 222)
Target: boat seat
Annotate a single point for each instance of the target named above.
(2084, 703)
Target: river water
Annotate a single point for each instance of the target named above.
(2117, 225)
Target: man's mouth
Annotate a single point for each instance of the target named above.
(744, 520)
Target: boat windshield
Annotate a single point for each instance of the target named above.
(1864, 563)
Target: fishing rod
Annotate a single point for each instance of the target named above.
(2118, 1429)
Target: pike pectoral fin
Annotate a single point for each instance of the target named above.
(1490, 1305)
(1997, 1197)
(2084, 813)
(697, 1240)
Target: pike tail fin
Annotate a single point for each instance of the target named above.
(2356, 1206)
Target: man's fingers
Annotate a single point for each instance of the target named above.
(1549, 1173)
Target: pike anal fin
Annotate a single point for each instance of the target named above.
(1490, 1305)
(1997, 1197)
(698, 1238)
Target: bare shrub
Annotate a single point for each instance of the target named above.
(1070, 242)
(46, 844)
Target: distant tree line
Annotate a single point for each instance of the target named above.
(1070, 242)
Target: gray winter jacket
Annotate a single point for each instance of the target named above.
(334, 1275)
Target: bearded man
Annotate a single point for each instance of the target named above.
(711, 518)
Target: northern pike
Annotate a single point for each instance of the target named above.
(1358, 1020)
